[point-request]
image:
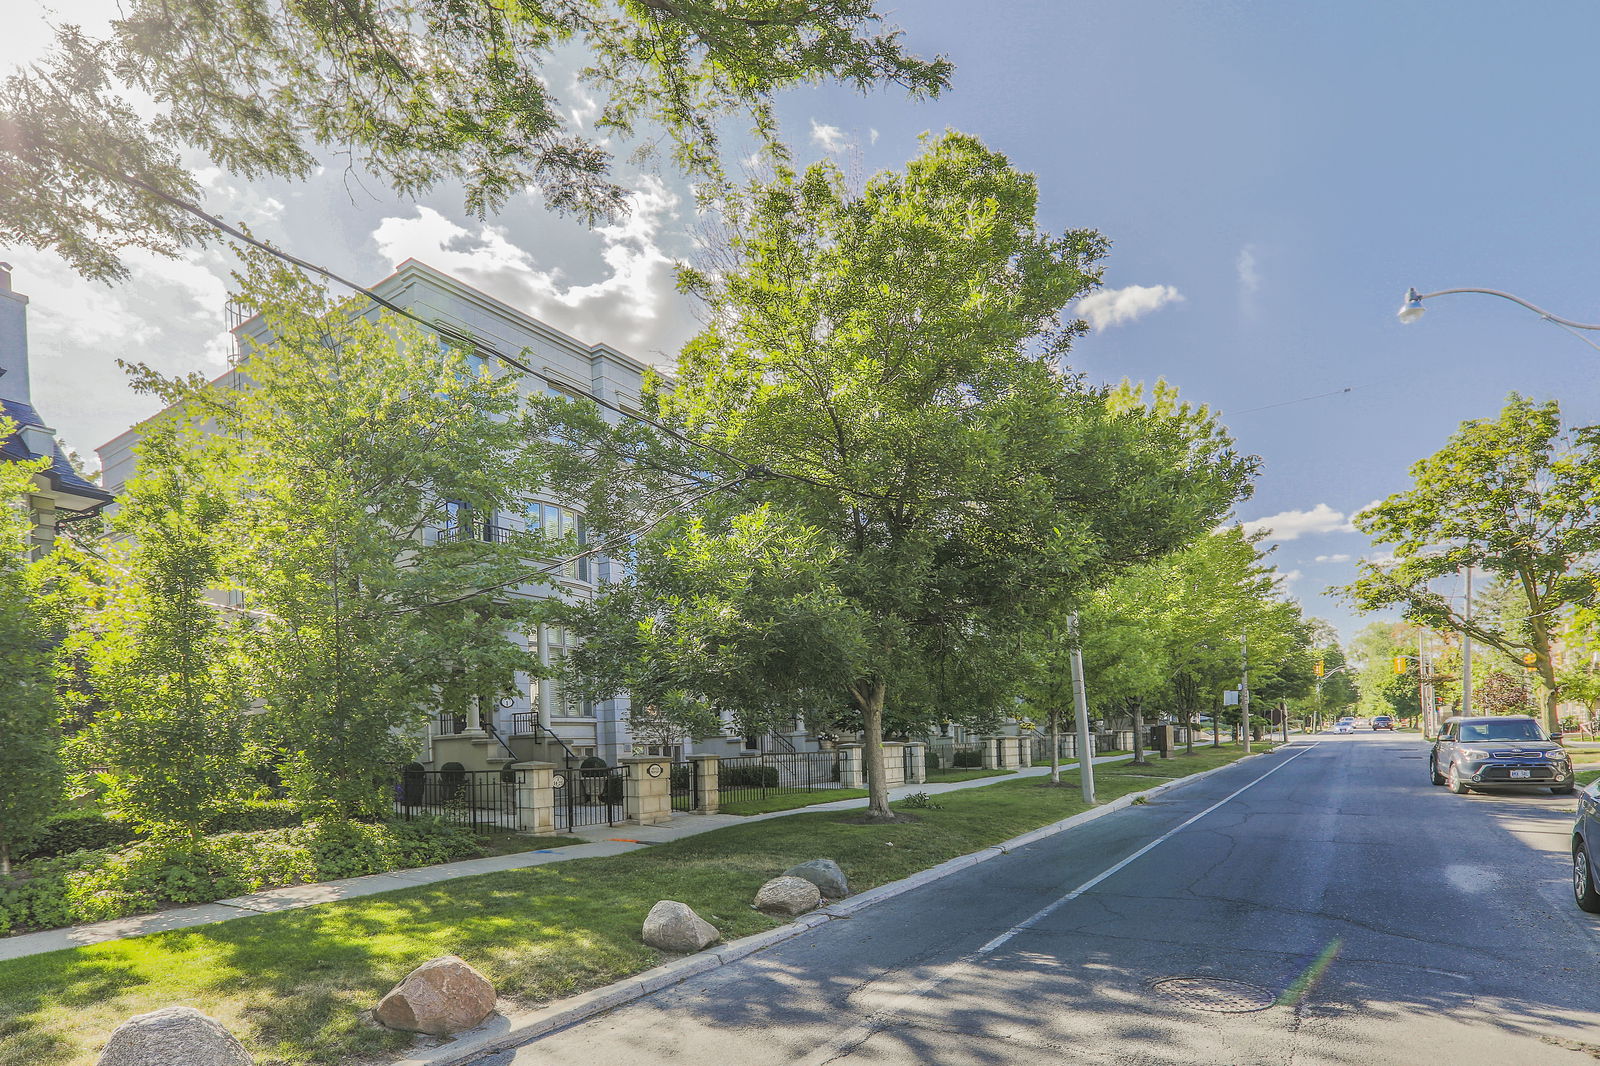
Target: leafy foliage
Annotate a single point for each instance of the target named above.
(418, 93)
(1512, 496)
(893, 355)
(30, 768)
(86, 886)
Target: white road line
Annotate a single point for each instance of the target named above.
(1102, 875)
(858, 1034)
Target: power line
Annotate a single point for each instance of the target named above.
(605, 546)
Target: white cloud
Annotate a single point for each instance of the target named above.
(1249, 275)
(1290, 525)
(829, 138)
(1113, 307)
(633, 305)
(1286, 578)
(872, 136)
(1340, 557)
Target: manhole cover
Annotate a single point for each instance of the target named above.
(1215, 994)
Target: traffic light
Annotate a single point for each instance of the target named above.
(1399, 664)
(1319, 667)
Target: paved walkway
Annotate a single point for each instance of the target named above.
(602, 840)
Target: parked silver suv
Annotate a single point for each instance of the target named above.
(1500, 751)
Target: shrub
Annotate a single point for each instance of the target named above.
(930, 759)
(252, 815)
(77, 831)
(967, 758)
(86, 886)
(747, 776)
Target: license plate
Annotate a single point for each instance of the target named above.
(1515, 774)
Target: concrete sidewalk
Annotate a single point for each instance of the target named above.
(601, 840)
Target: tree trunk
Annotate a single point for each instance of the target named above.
(1055, 746)
(869, 697)
(1138, 732)
(5, 859)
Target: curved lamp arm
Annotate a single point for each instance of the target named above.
(1412, 309)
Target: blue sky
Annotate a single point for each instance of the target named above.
(1272, 176)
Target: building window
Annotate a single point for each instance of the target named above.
(563, 524)
(558, 644)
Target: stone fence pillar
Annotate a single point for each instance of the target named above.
(852, 772)
(994, 755)
(647, 791)
(536, 797)
(1022, 749)
(919, 762)
(894, 763)
(707, 792)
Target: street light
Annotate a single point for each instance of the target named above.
(1412, 308)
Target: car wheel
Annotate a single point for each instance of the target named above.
(1453, 782)
(1583, 889)
(1433, 772)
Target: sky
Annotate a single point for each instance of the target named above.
(1272, 177)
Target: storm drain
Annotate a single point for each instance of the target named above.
(1215, 994)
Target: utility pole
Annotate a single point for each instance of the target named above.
(1466, 653)
(1430, 709)
(1244, 688)
(1080, 710)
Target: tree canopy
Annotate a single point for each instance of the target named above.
(96, 139)
(884, 368)
(1512, 496)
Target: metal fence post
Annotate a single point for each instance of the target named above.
(707, 794)
(917, 761)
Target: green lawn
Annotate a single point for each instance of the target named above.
(504, 842)
(943, 777)
(292, 985)
(1585, 776)
(789, 801)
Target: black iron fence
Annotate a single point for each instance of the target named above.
(943, 753)
(479, 799)
(589, 795)
(908, 764)
(776, 773)
(685, 786)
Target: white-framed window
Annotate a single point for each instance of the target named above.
(561, 523)
(558, 644)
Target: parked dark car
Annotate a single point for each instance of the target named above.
(1585, 845)
(1499, 752)
(1382, 721)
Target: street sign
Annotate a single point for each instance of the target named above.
(1230, 697)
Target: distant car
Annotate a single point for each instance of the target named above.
(1586, 849)
(1382, 721)
(1499, 752)
(1345, 727)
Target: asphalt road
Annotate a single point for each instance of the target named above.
(1384, 921)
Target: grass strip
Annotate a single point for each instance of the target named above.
(790, 801)
(293, 986)
(945, 777)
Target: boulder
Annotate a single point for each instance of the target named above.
(440, 997)
(787, 895)
(673, 926)
(825, 874)
(172, 1035)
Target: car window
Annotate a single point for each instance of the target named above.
(1509, 730)
(1449, 733)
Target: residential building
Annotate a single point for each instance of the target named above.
(61, 495)
(541, 722)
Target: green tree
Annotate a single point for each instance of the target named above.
(166, 660)
(30, 768)
(891, 360)
(354, 437)
(1512, 496)
(418, 93)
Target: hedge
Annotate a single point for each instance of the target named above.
(967, 758)
(91, 886)
(747, 776)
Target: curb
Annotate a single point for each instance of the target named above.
(507, 1031)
